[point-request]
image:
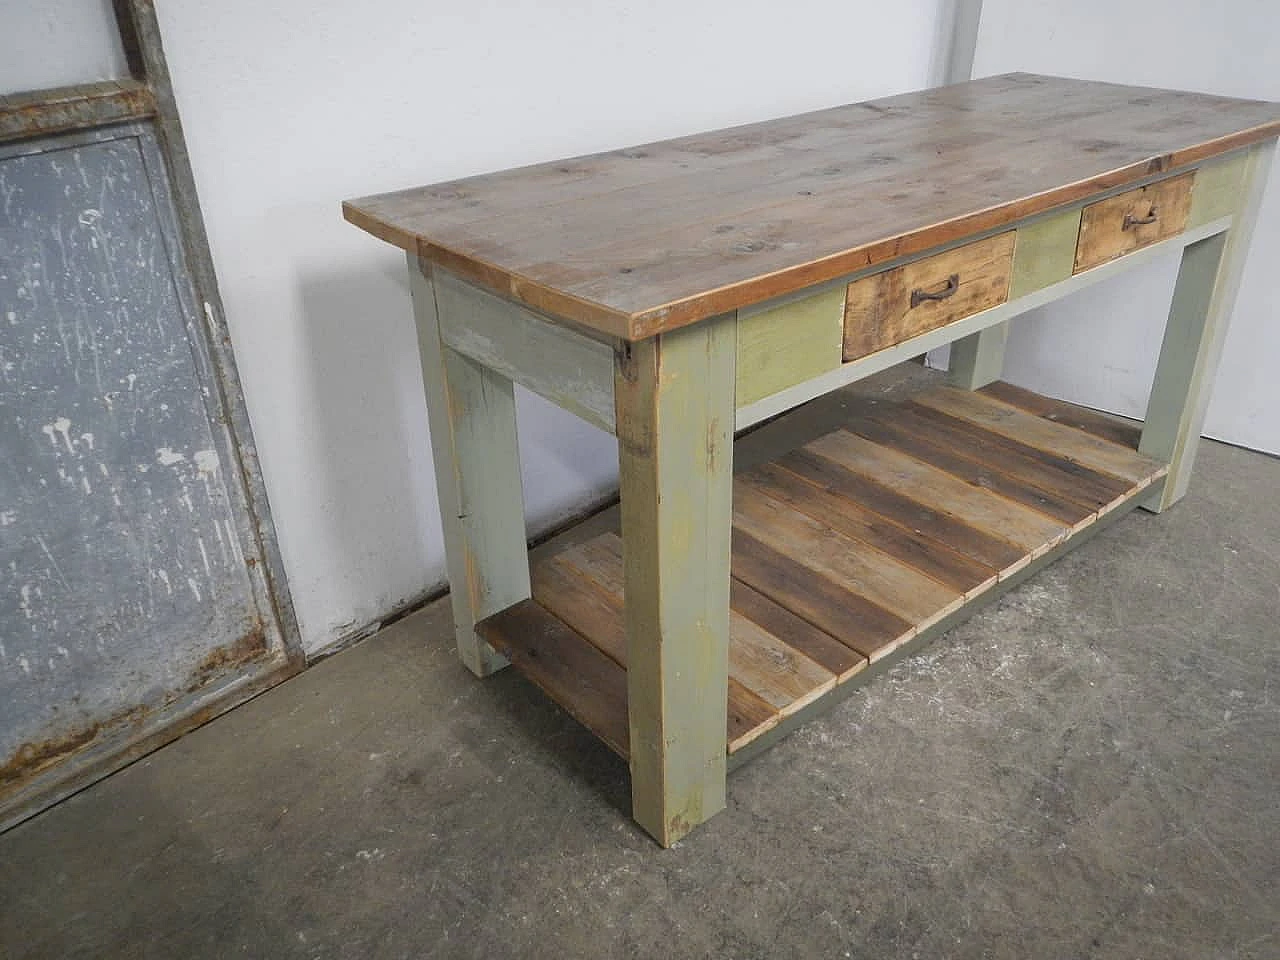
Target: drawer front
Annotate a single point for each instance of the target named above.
(890, 307)
(1128, 221)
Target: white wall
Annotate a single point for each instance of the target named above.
(56, 43)
(290, 107)
(1100, 347)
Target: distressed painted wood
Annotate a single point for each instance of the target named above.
(887, 308)
(1045, 252)
(787, 344)
(978, 359)
(674, 395)
(472, 415)
(858, 369)
(1118, 225)
(1203, 298)
(583, 587)
(568, 368)
(1218, 188)
(642, 240)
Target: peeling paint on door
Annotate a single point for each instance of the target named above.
(123, 576)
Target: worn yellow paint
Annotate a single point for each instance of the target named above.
(788, 344)
(1217, 188)
(674, 400)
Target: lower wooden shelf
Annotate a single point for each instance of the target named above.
(845, 549)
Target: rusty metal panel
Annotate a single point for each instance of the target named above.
(131, 580)
(44, 112)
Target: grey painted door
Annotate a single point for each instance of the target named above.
(131, 587)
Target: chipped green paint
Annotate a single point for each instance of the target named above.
(674, 396)
(1203, 298)
(472, 415)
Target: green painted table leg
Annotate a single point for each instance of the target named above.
(674, 397)
(472, 415)
(978, 359)
(1202, 302)
(1044, 254)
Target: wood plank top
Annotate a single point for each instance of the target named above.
(637, 241)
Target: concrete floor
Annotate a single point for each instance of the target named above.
(1086, 769)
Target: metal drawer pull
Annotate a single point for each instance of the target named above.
(1132, 221)
(919, 296)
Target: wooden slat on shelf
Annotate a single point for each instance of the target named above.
(884, 431)
(749, 716)
(590, 686)
(795, 632)
(580, 602)
(1041, 468)
(596, 613)
(990, 550)
(1127, 433)
(780, 675)
(784, 678)
(1031, 531)
(930, 557)
(998, 417)
(884, 581)
(830, 606)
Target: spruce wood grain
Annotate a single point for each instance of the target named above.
(889, 307)
(1124, 432)
(884, 431)
(900, 589)
(590, 686)
(911, 514)
(784, 677)
(636, 241)
(825, 602)
(1137, 218)
(1043, 468)
(842, 551)
(1031, 531)
(931, 557)
(1095, 454)
(794, 631)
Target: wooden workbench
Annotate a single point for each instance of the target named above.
(675, 292)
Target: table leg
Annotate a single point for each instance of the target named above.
(1202, 302)
(978, 359)
(472, 416)
(674, 398)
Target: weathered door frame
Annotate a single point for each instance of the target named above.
(146, 96)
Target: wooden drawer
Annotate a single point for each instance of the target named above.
(902, 303)
(1128, 221)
